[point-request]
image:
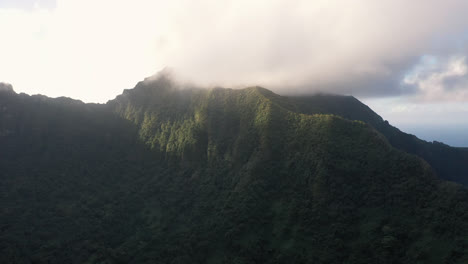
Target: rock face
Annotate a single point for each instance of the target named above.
(166, 174)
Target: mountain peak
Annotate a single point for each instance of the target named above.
(6, 87)
(166, 73)
(178, 175)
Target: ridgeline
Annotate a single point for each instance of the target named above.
(163, 174)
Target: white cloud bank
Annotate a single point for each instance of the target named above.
(91, 50)
(440, 79)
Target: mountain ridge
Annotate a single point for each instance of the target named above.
(450, 165)
(215, 176)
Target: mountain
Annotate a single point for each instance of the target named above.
(6, 88)
(449, 163)
(169, 174)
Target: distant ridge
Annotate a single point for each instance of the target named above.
(450, 163)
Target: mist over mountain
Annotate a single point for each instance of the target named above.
(171, 174)
(6, 87)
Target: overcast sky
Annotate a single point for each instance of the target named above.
(405, 59)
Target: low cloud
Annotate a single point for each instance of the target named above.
(364, 48)
(91, 50)
(440, 79)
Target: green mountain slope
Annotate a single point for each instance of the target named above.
(449, 163)
(169, 175)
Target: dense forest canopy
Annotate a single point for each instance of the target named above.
(163, 174)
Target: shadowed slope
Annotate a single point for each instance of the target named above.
(449, 163)
(169, 175)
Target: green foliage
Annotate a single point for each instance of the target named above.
(168, 175)
(448, 162)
